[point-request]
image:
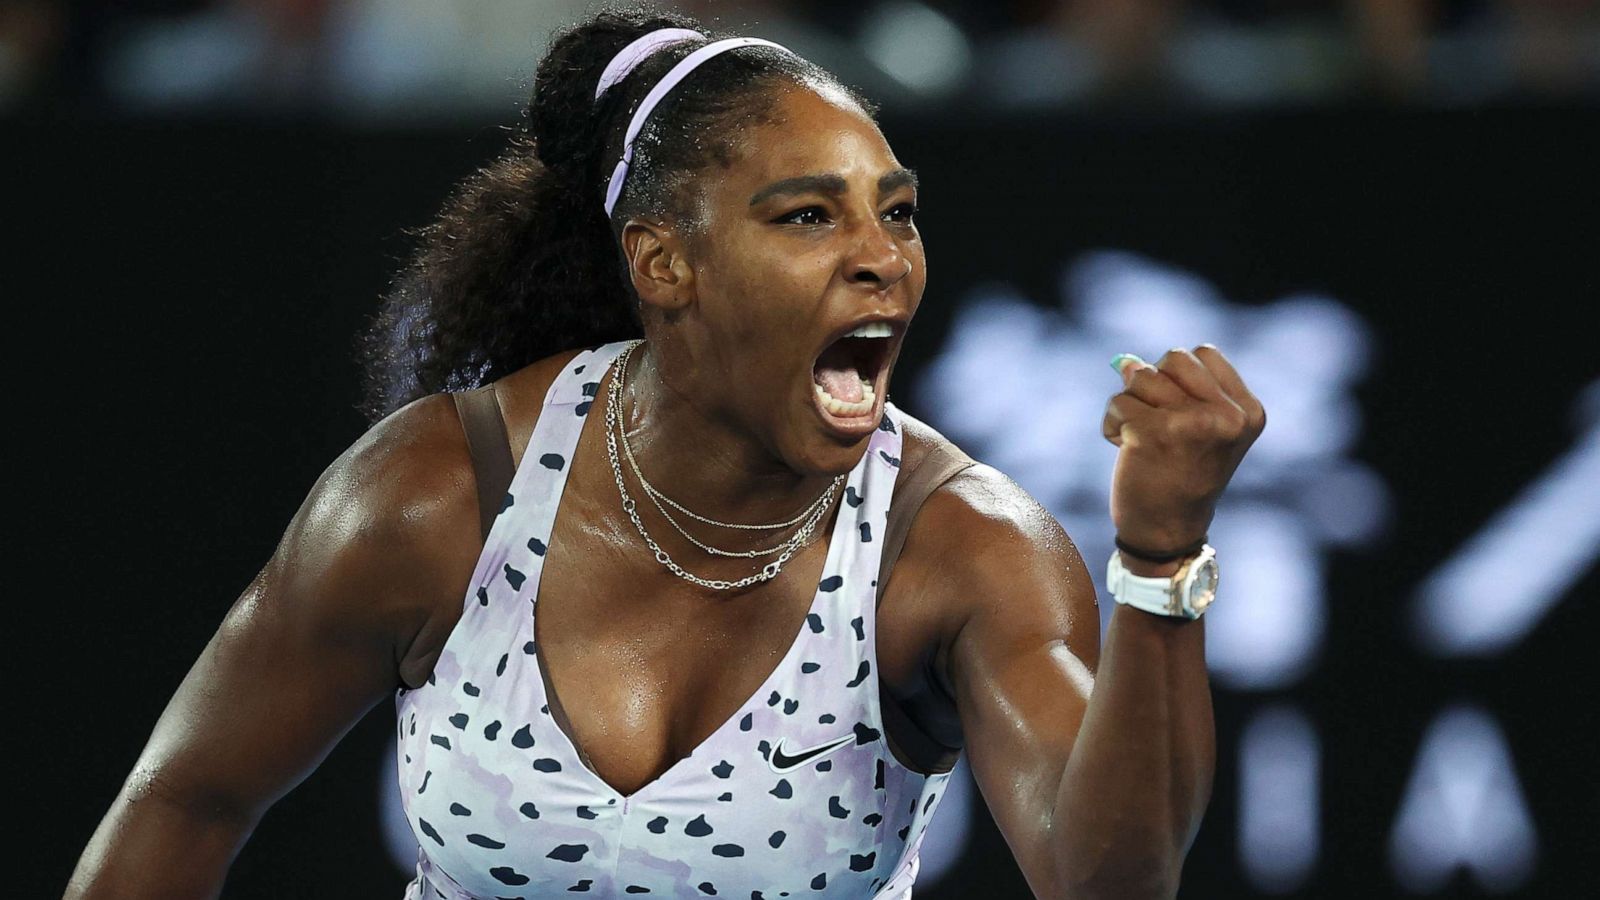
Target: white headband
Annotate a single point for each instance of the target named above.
(635, 53)
(629, 57)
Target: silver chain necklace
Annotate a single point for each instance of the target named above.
(655, 494)
(656, 498)
(714, 551)
(768, 572)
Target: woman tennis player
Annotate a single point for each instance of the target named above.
(673, 601)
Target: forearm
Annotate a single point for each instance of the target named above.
(1137, 783)
(148, 845)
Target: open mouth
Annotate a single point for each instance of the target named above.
(847, 378)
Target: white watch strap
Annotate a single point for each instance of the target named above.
(1160, 596)
(1153, 595)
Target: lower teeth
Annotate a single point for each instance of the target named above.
(847, 408)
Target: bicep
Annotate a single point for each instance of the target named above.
(268, 697)
(270, 694)
(372, 567)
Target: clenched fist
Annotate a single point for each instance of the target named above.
(1183, 425)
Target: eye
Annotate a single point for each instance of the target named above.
(811, 215)
(902, 213)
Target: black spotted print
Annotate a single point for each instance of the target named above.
(500, 799)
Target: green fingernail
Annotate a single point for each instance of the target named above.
(1122, 359)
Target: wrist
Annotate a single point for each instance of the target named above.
(1144, 568)
(1159, 554)
(1160, 536)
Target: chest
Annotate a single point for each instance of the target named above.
(645, 667)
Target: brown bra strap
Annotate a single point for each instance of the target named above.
(915, 746)
(941, 463)
(490, 448)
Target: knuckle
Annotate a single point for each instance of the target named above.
(1232, 421)
(1214, 425)
(1203, 425)
(1182, 426)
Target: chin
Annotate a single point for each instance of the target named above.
(827, 443)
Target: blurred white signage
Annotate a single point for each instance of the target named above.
(1023, 387)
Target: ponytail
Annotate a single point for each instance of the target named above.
(520, 264)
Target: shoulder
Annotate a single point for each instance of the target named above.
(980, 510)
(367, 554)
(981, 548)
(394, 522)
(406, 475)
(409, 480)
(385, 543)
(522, 394)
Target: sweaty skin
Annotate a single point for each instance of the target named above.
(1095, 799)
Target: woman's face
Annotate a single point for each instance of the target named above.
(807, 237)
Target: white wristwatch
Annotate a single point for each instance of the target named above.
(1186, 594)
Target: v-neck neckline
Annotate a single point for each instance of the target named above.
(837, 543)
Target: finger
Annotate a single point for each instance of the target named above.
(1228, 377)
(1122, 412)
(1190, 374)
(1222, 370)
(1146, 382)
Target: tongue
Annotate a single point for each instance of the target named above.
(840, 383)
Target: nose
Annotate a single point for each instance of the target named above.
(877, 260)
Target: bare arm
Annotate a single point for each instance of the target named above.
(348, 607)
(1136, 786)
(1095, 762)
(1098, 770)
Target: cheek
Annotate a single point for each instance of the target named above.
(775, 293)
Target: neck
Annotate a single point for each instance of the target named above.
(706, 462)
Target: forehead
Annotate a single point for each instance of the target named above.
(812, 131)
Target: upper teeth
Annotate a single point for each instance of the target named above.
(872, 330)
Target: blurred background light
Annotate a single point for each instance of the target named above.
(426, 60)
(1497, 587)
(917, 46)
(1280, 770)
(1463, 808)
(945, 843)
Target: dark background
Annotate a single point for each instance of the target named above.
(188, 292)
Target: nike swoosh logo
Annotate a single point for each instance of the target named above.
(783, 762)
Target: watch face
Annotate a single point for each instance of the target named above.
(1203, 589)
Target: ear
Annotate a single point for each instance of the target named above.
(659, 264)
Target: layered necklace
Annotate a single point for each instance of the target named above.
(616, 434)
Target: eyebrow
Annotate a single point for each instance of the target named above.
(831, 184)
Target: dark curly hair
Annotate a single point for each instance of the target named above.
(521, 262)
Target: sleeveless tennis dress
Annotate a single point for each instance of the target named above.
(795, 795)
